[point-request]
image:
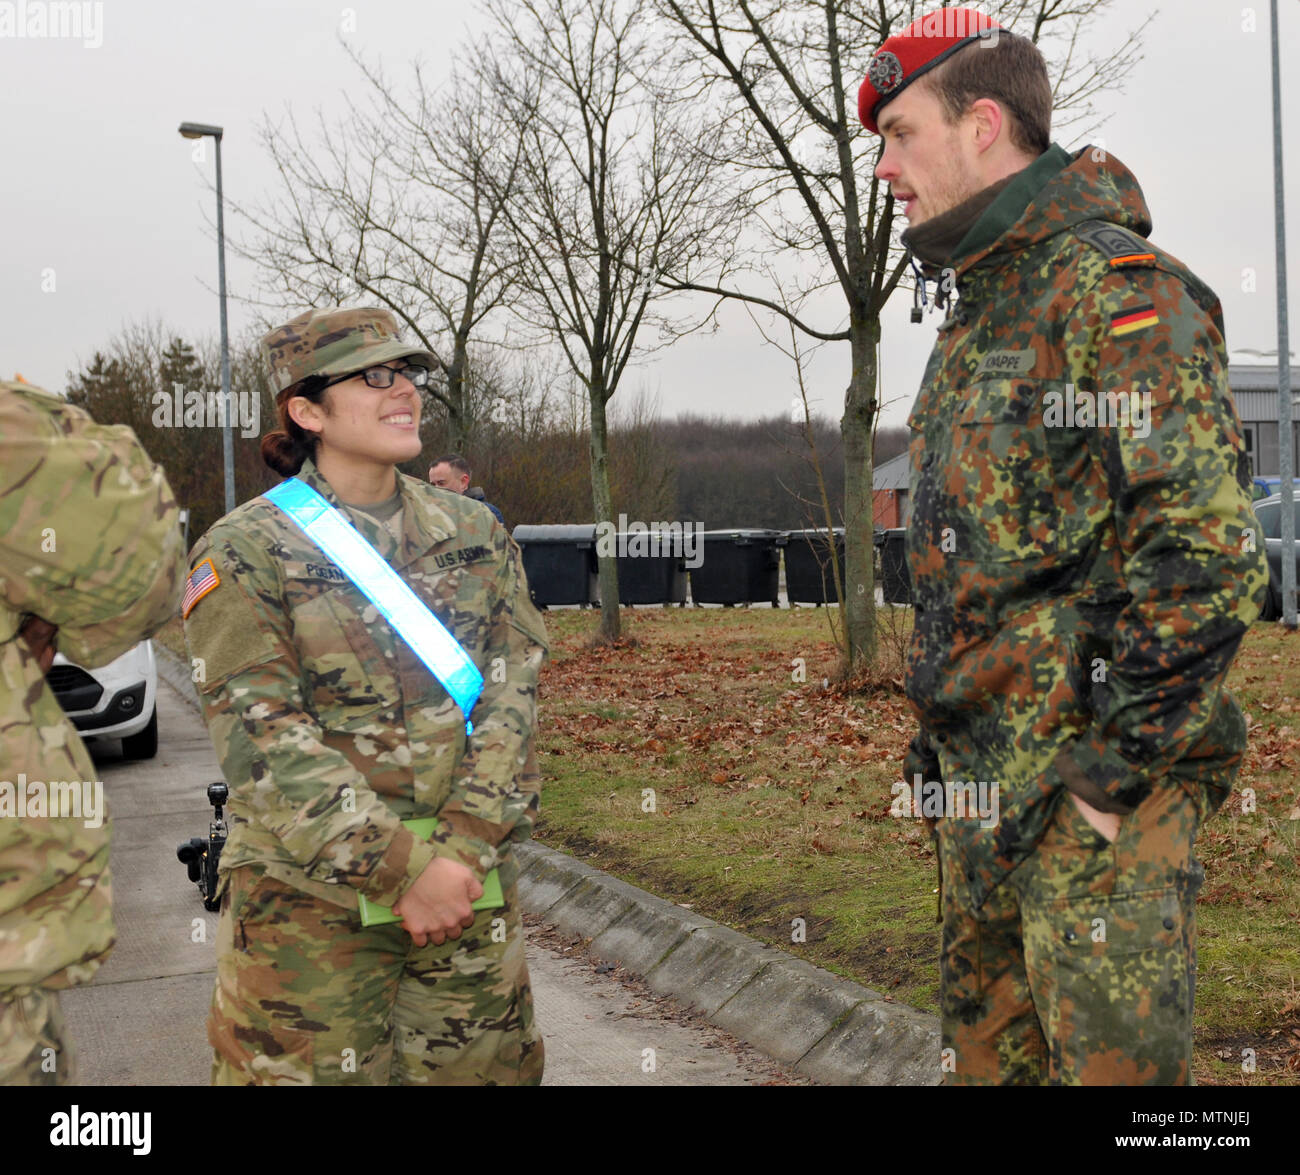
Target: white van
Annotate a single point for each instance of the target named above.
(118, 700)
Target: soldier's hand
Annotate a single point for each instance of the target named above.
(437, 906)
(39, 635)
(921, 760)
(1107, 823)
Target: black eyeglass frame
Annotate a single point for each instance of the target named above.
(393, 373)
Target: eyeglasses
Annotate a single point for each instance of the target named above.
(383, 377)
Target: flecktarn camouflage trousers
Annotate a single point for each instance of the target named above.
(306, 995)
(1080, 968)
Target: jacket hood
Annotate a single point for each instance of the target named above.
(1094, 185)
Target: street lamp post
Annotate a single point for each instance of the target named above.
(198, 130)
(1285, 440)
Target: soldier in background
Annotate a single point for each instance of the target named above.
(453, 473)
(331, 733)
(91, 564)
(1083, 567)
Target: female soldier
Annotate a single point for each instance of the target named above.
(332, 732)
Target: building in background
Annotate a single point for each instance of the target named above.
(1254, 387)
(889, 502)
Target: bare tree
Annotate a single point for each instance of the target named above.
(610, 195)
(788, 71)
(400, 203)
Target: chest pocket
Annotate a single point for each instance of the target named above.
(1001, 475)
(347, 664)
(455, 587)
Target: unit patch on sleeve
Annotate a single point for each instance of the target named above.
(202, 580)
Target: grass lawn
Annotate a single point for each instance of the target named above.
(709, 762)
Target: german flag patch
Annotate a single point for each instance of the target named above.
(1134, 318)
(203, 579)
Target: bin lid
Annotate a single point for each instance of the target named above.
(584, 532)
(742, 534)
(653, 544)
(806, 536)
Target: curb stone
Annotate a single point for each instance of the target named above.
(833, 1030)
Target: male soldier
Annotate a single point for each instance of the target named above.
(452, 472)
(90, 561)
(1083, 566)
(332, 732)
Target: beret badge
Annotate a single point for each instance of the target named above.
(885, 72)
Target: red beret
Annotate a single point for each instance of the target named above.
(902, 59)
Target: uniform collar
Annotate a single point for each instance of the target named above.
(424, 523)
(935, 242)
(1010, 204)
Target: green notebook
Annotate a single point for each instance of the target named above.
(373, 914)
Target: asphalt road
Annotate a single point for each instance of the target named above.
(141, 1022)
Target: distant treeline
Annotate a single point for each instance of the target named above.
(717, 472)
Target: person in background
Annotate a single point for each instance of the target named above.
(452, 473)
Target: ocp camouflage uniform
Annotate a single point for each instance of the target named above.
(330, 733)
(1080, 592)
(90, 542)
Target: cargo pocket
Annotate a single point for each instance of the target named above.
(248, 1025)
(346, 675)
(1112, 982)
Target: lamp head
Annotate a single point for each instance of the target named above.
(198, 130)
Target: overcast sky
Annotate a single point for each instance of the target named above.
(105, 213)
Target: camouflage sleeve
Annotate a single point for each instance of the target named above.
(281, 772)
(92, 524)
(1179, 482)
(494, 798)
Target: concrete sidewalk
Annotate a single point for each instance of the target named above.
(827, 1028)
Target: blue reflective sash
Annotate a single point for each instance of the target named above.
(383, 587)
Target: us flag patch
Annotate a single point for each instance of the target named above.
(1135, 318)
(203, 579)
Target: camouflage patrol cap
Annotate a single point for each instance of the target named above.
(334, 341)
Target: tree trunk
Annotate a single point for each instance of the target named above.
(607, 566)
(856, 430)
(457, 425)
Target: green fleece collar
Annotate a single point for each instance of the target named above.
(1012, 201)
